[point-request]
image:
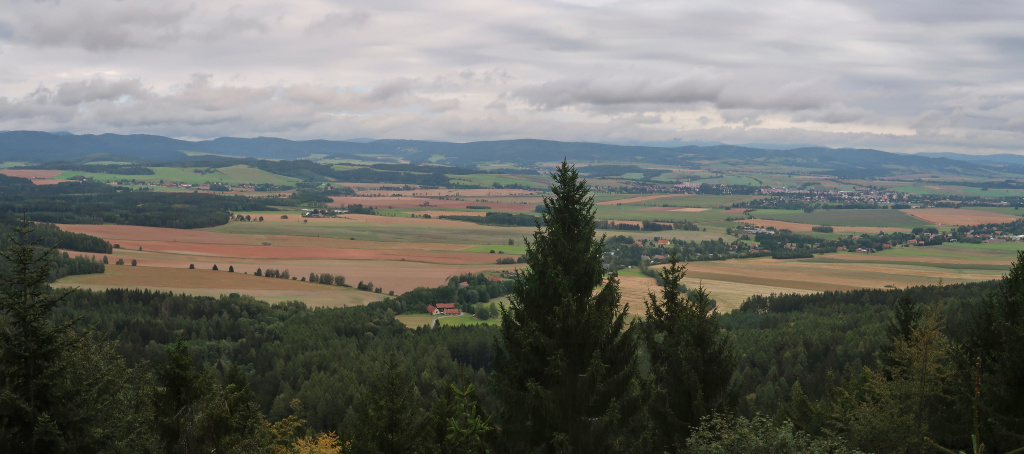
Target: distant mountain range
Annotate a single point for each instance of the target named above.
(40, 147)
(998, 159)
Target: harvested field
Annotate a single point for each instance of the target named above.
(676, 209)
(731, 282)
(449, 192)
(634, 199)
(962, 216)
(798, 227)
(728, 294)
(38, 177)
(398, 265)
(418, 202)
(873, 218)
(436, 213)
(216, 283)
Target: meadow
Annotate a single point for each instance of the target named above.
(232, 175)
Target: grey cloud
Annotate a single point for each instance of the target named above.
(832, 114)
(6, 31)
(541, 38)
(390, 89)
(679, 91)
(942, 11)
(73, 93)
(945, 73)
(625, 90)
(102, 26)
(339, 21)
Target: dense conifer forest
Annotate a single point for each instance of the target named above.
(568, 370)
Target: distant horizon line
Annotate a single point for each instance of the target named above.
(629, 143)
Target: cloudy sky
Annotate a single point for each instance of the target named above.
(908, 76)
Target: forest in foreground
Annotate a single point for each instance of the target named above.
(916, 370)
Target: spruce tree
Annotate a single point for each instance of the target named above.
(692, 360)
(565, 359)
(996, 337)
(60, 391)
(387, 413)
(30, 347)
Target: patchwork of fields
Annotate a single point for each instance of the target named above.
(408, 246)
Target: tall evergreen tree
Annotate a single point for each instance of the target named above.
(387, 413)
(565, 358)
(30, 347)
(997, 336)
(59, 391)
(692, 360)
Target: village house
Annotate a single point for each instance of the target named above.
(443, 309)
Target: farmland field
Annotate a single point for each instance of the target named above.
(953, 216)
(850, 218)
(228, 175)
(215, 283)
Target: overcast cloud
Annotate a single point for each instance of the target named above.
(908, 76)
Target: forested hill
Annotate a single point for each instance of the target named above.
(45, 147)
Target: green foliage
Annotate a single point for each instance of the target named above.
(387, 413)
(996, 337)
(725, 435)
(692, 361)
(496, 218)
(565, 360)
(59, 391)
(97, 203)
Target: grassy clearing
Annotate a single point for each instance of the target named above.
(466, 319)
(852, 218)
(631, 272)
(416, 320)
(508, 250)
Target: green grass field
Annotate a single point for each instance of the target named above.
(962, 251)
(226, 175)
(415, 320)
(508, 250)
(456, 233)
(851, 218)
